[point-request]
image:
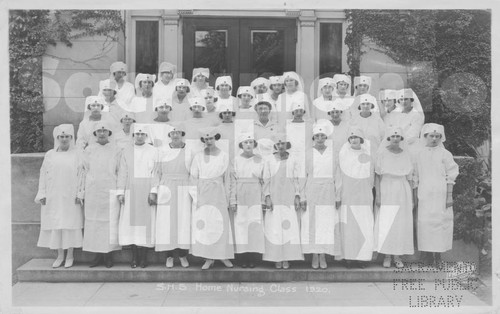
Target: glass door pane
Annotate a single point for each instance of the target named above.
(267, 48)
(147, 47)
(211, 43)
(211, 50)
(330, 56)
(268, 51)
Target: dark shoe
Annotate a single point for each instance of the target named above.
(143, 257)
(360, 264)
(427, 258)
(251, 265)
(437, 261)
(97, 260)
(243, 265)
(348, 264)
(108, 260)
(133, 263)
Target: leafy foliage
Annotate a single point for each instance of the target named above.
(472, 204)
(30, 32)
(28, 39)
(448, 57)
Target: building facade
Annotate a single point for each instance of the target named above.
(242, 43)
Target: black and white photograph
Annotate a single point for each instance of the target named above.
(223, 156)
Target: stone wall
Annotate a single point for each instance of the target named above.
(72, 73)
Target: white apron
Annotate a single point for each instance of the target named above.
(173, 214)
(281, 225)
(212, 236)
(102, 208)
(356, 212)
(436, 168)
(137, 217)
(248, 219)
(319, 221)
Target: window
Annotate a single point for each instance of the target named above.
(147, 47)
(330, 45)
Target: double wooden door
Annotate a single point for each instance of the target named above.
(243, 48)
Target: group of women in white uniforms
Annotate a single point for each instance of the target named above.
(181, 167)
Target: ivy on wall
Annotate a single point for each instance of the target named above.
(448, 57)
(30, 32)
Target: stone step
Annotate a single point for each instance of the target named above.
(124, 255)
(40, 270)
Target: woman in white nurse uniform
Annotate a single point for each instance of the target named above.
(356, 213)
(101, 164)
(137, 194)
(282, 192)
(248, 218)
(212, 236)
(321, 199)
(199, 81)
(325, 94)
(436, 171)
(125, 90)
(61, 220)
(394, 200)
(173, 211)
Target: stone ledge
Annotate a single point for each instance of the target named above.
(40, 270)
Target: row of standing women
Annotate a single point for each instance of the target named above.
(313, 194)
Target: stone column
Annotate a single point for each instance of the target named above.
(170, 38)
(307, 52)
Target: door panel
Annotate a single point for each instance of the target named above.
(210, 43)
(243, 48)
(267, 47)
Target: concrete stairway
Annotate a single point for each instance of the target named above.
(40, 270)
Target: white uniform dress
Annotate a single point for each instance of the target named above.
(125, 93)
(114, 110)
(143, 109)
(136, 181)
(102, 209)
(61, 220)
(411, 123)
(173, 212)
(85, 135)
(373, 128)
(319, 223)
(192, 127)
(158, 133)
(248, 219)
(356, 212)
(300, 136)
(435, 168)
(195, 91)
(244, 120)
(180, 109)
(339, 136)
(354, 108)
(212, 236)
(392, 118)
(320, 108)
(281, 225)
(227, 140)
(163, 91)
(122, 139)
(284, 106)
(394, 220)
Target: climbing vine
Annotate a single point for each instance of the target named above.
(447, 54)
(30, 33)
